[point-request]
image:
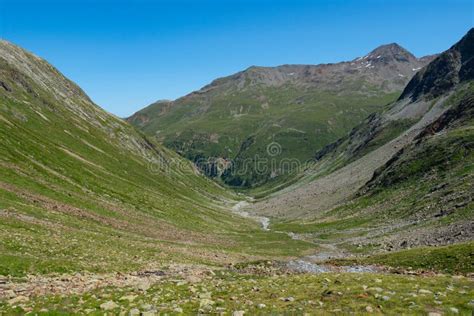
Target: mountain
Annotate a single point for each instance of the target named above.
(228, 127)
(97, 218)
(402, 178)
(81, 190)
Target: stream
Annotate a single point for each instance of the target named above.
(237, 209)
(312, 263)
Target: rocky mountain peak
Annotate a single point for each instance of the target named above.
(389, 53)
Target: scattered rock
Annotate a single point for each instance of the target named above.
(423, 291)
(143, 286)
(134, 312)
(454, 310)
(193, 279)
(206, 302)
(147, 307)
(204, 295)
(369, 309)
(376, 289)
(129, 298)
(261, 306)
(108, 306)
(18, 299)
(9, 294)
(238, 313)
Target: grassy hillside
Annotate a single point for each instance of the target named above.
(82, 190)
(422, 196)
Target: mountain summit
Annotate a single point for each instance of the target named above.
(391, 52)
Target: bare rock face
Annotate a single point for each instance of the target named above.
(450, 68)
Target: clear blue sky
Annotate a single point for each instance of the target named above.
(127, 54)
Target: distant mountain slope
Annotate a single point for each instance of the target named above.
(227, 126)
(402, 178)
(82, 190)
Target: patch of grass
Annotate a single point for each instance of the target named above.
(457, 258)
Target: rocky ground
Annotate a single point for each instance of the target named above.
(259, 288)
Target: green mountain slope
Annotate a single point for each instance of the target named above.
(262, 124)
(82, 190)
(391, 185)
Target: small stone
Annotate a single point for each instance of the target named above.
(147, 307)
(178, 310)
(143, 286)
(386, 298)
(261, 306)
(129, 298)
(108, 306)
(205, 302)
(238, 313)
(18, 299)
(369, 309)
(434, 314)
(454, 310)
(134, 312)
(193, 279)
(204, 295)
(9, 294)
(289, 299)
(423, 291)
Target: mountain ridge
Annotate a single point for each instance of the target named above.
(254, 107)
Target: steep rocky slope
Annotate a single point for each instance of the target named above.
(82, 190)
(265, 116)
(402, 178)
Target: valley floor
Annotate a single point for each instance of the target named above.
(328, 279)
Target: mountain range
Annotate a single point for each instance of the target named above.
(227, 126)
(154, 214)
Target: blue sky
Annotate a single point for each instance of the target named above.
(127, 54)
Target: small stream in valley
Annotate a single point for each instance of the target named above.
(312, 263)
